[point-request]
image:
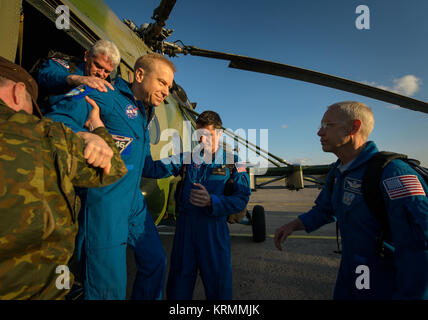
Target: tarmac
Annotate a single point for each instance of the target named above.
(305, 269)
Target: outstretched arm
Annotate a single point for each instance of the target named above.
(282, 233)
(78, 154)
(319, 215)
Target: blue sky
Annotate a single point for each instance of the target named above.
(312, 34)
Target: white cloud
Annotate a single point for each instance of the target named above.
(407, 85)
(393, 107)
(298, 161)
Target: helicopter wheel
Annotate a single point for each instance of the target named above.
(258, 224)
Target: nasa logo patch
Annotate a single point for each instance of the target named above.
(131, 111)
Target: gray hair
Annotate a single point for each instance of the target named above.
(108, 48)
(353, 110)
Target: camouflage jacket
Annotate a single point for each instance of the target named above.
(40, 163)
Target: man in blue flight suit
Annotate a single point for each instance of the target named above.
(116, 216)
(202, 236)
(61, 73)
(402, 274)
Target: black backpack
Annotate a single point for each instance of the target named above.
(372, 193)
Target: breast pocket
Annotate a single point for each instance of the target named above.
(217, 179)
(354, 205)
(363, 226)
(112, 121)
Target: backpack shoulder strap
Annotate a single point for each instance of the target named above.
(330, 181)
(416, 165)
(371, 186)
(228, 188)
(330, 185)
(183, 171)
(230, 166)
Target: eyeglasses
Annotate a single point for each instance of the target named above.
(325, 125)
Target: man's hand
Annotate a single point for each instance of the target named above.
(97, 152)
(94, 120)
(200, 197)
(282, 233)
(91, 81)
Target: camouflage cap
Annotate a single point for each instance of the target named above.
(12, 71)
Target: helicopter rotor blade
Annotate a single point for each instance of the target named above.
(287, 71)
(161, 13)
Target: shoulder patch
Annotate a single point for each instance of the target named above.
(353, 185)
(79, 92)
(403, 186)
(122, 144)
(348, 197)
(62, 62)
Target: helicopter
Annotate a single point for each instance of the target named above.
(22, 21)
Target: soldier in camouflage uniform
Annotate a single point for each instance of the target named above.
(40, 163)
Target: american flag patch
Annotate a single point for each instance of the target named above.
(240, 166)
(403, 186)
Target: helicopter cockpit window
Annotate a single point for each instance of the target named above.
(154, 130)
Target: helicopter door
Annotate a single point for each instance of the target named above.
(10, 14)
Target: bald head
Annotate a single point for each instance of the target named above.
(353, 110)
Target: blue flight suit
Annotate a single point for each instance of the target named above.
(201, 238)
(52, 78)
(403, 273)
(116, 216)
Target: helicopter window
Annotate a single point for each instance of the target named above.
(56, 41)
(154, 130)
